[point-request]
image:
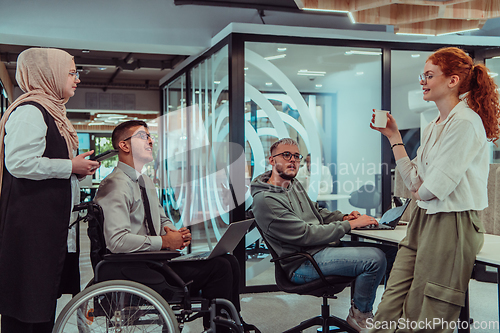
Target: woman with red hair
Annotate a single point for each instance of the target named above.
(448, 178)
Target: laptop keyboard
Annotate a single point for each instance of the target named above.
(199, 256)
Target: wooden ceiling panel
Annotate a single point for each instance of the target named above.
(413, 16)
(396, 14)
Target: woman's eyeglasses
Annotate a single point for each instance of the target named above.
(288, 156)
(75, 74)
(424, 77)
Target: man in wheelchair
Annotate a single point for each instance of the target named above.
(134, 221)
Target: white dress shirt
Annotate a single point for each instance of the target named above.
(25, 132)
(125, 229)
(450, 171)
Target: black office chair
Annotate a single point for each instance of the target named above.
(326, 287)
(367, 197)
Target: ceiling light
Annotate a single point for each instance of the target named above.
(281, 49)
(306, 72)
(269, 84)
(326, 10)
(85, 51)
(497, 57)
(457, 32)
(216, 82)
(102, 68)
(246, 68)
(351, 17)
(360, 73)
(415, 55)
(319, 85)
(96, 124)
(278, 56)
(363, 52)
(117, 117)
(410, 34)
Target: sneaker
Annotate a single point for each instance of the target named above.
(357, 319)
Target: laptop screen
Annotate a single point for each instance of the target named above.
(393, 215)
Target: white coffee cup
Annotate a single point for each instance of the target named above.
(380, 118)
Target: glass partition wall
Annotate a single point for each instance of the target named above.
(223, 111)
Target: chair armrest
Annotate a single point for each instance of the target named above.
(308, 257)
(142, 255)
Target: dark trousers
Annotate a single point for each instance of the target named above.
(12, 325)
(215, 278)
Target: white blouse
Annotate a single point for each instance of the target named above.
(23, 156)
(451, 169)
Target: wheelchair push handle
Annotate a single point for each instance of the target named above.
(91, 208)
(83, 206)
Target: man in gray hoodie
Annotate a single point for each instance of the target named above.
(292, 222)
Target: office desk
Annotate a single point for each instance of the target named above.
(489, 255)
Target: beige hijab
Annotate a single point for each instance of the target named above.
(42, 75)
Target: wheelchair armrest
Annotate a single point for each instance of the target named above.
(308, 257)
(163, 255)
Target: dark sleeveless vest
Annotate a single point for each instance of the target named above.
(34, 219)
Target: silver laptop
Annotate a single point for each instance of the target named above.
(234, 233)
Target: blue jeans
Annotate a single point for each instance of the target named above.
(366, 261)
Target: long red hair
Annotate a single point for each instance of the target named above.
(482, 93)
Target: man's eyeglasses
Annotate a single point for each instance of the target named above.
(75, 74)
(143, 135)
(288, 156)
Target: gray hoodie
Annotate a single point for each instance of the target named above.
(292, 222)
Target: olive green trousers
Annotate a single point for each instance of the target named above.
(427, 285)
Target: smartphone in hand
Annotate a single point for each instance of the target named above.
(104, 156)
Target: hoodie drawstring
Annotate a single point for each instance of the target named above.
(300, 202)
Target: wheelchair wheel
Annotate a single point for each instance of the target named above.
(117, 306)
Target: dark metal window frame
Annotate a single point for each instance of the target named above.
(236, 45)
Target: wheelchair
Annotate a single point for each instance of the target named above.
(129, 292)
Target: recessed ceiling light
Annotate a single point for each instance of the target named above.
(216, 82)
(85, 51)
(319, 85)
(363, 52)
(278, 56)
(360, 73)
(246, 68)
(102, 68)
(269, 84)
(281, 49)
(306, 72)
(415, 55)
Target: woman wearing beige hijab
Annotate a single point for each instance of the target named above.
(39, 186)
